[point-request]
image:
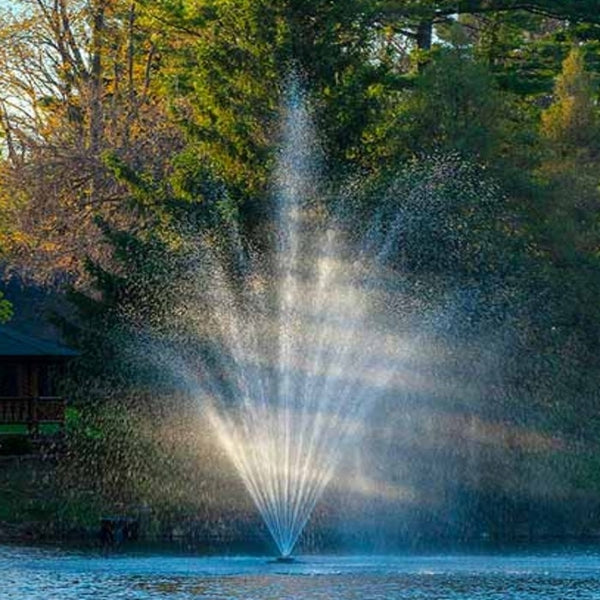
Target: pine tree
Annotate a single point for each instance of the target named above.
(230, 63)
(456, 106)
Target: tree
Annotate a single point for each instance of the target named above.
(76, 82)
(455, 106)
(230, 63)
(422, 15)
(570, 129)
(571, 124)
(562, 227)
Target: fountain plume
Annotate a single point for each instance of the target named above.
(299, 356)
(289, 338)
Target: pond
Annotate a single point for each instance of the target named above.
(36, 574)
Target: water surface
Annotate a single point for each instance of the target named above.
(43, 574)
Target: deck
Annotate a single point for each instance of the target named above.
(32, 412)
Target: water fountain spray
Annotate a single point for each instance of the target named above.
(305, 360)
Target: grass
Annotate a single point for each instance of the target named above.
(44, 429)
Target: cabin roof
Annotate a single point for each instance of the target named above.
(16, 344)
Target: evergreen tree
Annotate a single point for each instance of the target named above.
(455, 106)
(227, 74)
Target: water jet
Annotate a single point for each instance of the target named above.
(303, 352)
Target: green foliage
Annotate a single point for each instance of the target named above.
(456, 106)
(6, 310)
(569, 129)
(566, 222)
(226, 83)
(571, 124)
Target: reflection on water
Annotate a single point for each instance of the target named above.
(35, 574)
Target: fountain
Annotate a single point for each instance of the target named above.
(302, 356)
(289, 343)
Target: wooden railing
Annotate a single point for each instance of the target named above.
(32, 411)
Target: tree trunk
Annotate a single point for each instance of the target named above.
(96, 116)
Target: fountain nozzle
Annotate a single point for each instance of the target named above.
(285, 559)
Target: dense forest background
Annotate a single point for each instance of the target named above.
(126, 124)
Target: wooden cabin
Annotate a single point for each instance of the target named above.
(29, 372)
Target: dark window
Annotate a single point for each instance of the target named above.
(46, 377)
(9, 385)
